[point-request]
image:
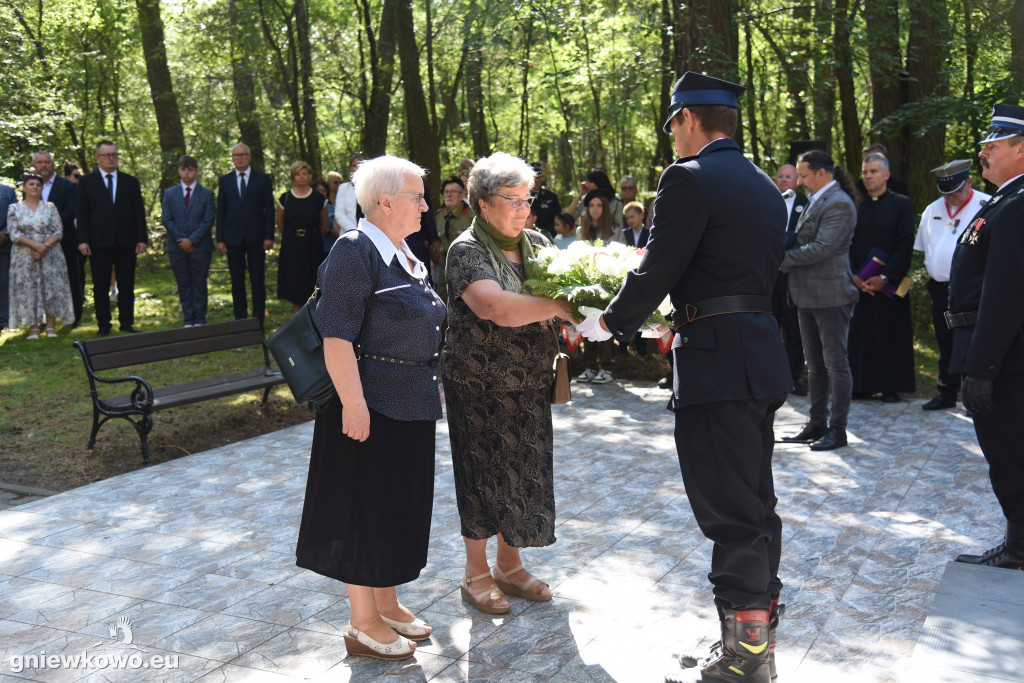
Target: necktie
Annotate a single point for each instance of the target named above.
(188, 196)
(447, 227)
(110, 186)
(241, 186)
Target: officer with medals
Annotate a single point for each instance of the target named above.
(941, 224)
(718, 259)
(986, 315)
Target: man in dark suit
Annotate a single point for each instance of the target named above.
(986, 314)
(718, 257)
(188, 215)
(782, 306)
(112, 232)
(61, 193)
(245, 230)
(7, 197)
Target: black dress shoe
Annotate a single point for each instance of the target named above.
(996, 557)
(810, 432)
(131, 330)
(861, 395)
(665, 382)
(940, 402)
(798, 389)
(1007, 555)
(103, 331)
(834, 438)
(891, 398)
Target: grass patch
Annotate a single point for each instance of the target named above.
(46, 414)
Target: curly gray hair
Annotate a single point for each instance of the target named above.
(492, 174)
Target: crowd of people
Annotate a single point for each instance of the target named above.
(414, 299)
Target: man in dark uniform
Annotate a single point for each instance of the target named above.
(546, 205)
(718, 259)
(986, 314)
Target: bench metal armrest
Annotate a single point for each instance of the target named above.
(141, 396)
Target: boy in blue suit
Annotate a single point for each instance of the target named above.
(188, 214)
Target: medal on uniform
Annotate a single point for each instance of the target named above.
(971, 234)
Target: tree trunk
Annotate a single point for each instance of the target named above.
(663, 154)
(382, 67)
(844, 77)
(423, 148)
(927, 47)
(241, 37)
(1016, 65)
(309, 125)
(161, 89)
(474, 83)
(824, 108)
(751, 96)
(886, 64)
(524, 100)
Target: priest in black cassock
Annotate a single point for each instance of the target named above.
(881, 342)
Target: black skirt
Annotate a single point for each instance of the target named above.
(366, 517)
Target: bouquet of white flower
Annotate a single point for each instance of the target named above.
(588, 274)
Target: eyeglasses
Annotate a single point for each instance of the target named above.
(516, 202)
(418, 196)
(448, 192)
(109, 155)
(629, 187)
(239, 155)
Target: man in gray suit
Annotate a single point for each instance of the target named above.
(821, 286)
(188, 214)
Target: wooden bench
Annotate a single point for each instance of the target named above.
(148, 347)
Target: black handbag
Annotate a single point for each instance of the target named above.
(298, 348)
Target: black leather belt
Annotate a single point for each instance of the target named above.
(432, 363)
(961, 319)
(737, 303)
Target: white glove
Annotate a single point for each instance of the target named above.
(591, 328)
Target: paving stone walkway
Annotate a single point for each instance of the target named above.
(194, 558)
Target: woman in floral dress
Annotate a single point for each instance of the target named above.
(39, 276)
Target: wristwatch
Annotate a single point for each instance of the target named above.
(885, 279)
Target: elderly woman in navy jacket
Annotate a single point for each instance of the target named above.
(366, 518)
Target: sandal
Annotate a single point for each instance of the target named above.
(360, 644)
(50, 332)
(417, 629)
(33, 334)
(482, 599)
(526, 592)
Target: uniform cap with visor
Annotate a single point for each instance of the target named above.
(1007, 121)
(694, 89)
(951, 177)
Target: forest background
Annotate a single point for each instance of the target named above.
(574, 83)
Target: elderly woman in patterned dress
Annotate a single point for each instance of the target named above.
(39, 286)
(499, 350)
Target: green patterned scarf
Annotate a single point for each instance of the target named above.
(511, 280)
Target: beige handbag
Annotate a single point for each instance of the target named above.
(561, 390)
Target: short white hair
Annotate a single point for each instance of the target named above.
(382, 175)
(491, 174)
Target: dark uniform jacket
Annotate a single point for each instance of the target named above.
(105, 223)
(986, 277)
(719, 226)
